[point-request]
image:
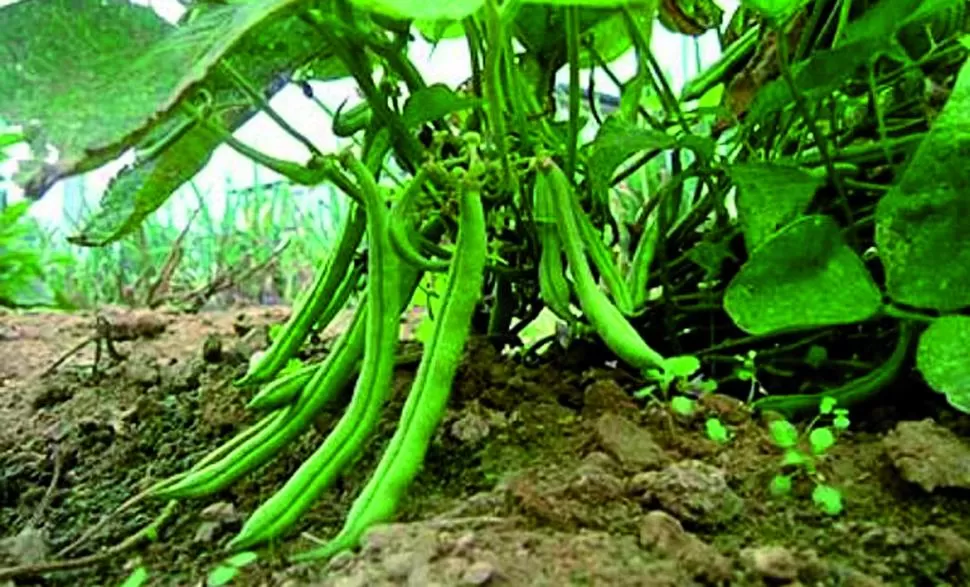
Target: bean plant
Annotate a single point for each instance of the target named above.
(812, 143)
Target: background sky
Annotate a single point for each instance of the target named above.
(447, 63)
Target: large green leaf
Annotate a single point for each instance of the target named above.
(769, 197)
(266, 58)
(943, 360)
(616, 141)
(923, 223)
(90, 77)
(433, 103)
(804, 276)
(870, 35)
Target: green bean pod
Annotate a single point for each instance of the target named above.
(554, 289)
(602, 258)
(346, 440)
(618, 334)
(638, 279)
(432, 385)
(401, 233)
(313, 305)
(347, 124)
(283, 390)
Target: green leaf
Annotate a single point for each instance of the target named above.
(433, 103)
(682, 405)
(943, 360)
(682, 366)
(221, 575)
(716, 431)
(828, 499)
(783, 433)
(420, 9)
(140, 189)
(821, 439)
(805, 276)
(435, 31)
(242, 559)
(616, 142)
(923, 223)
(865, 38)
(780, 485)
(90, 77)
(770, 196)
(137, 578)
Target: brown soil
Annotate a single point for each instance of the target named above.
(540, 475)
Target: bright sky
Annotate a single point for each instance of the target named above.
(448, 64)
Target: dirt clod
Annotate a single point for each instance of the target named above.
(633, 447)
(929, 455)
(693, 491)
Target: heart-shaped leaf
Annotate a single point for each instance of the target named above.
(140, 189)
(804, 276)
(923, 223)
(88, 78)
(943, 360)
(769, 197)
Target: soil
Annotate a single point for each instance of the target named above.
(546, 474)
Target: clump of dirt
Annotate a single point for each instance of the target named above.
(548, 474)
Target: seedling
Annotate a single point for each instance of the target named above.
(803, 462)
(229, 568)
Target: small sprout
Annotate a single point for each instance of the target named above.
(682, 405)
(716, 431)
(683, 366)
(645, 392)
(221, 575)
(784, 433)
(827, 405)
(780, 485)
(828, 499)
(706, 386)
(821, 440)
(794, 457)
(227, 571)
(841, 420)
(137, 578)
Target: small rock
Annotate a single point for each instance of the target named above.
(632, 446)
(593, 484)
(775, 563)
(929, 455)
(143, 373)
(221, 511)
(28, 547)
(605, 395)
(187, 375)
(663, 534)
(471, 428)
(399, 565)
(693, 491)
(478, 573)
(212, 349)
(206, 532)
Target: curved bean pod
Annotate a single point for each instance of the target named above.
(346, 440)
(313, 306)
(618, 334)
(432, 385)
(554, 288)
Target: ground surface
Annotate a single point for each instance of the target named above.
(544, 475)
